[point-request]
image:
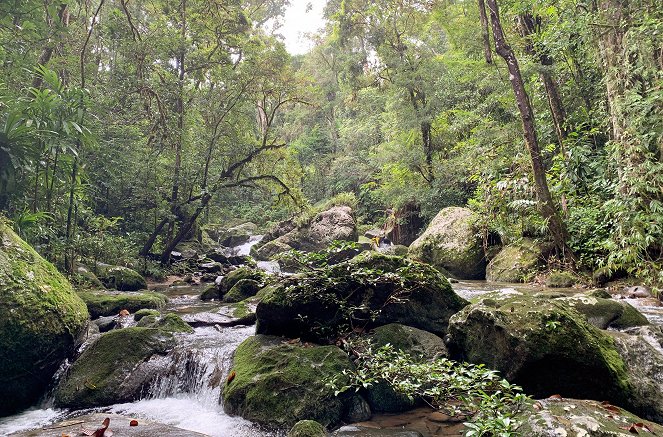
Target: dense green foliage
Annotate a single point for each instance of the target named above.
(489, 401)
(121, 137)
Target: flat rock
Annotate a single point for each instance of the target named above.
(118, 424)
(363, 431)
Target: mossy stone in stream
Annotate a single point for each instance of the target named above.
(277, 384)
(369, 290)
(41, 319)
(210, 292)
(243, 289)
(515, 262)
(109, 303)
(138, 315)
(419, 344)
(307, 428)
(237, 275)
(606, 313)
(107, 372)
(560, 280)
(546, 346)
(121, 278)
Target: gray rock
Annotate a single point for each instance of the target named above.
(363, 431)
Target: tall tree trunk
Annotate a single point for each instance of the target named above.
(485, 35)
(153, 237)
(527, 25)
(427, 140)
(185, 228)
(546, 204)
(49, 48)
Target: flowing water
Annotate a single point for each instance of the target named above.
(187, 395)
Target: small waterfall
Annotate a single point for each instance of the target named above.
(245, 249)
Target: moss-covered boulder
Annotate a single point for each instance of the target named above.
(570, 417)
(307, 428)
(368, 291)
(108, 303)
(642, 352)
(169, 322)
(114, 369)
(121, 278)
(277, 384)
(515, 262)
(237, 275)
(559, 279)
(144, 313)
(210, 292)
(41, 318)
(417, 343)
(269, 250)
(450, 243)
(544, 345)
(606, 313)
(243, 289)
(83, 278)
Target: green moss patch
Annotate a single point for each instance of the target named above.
(108, 303)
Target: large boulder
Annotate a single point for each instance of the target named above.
(121, 278)
(516, 262)
(546, 346)
(417, 343)
(277, 383)
(367, 291)
(225, 284)
(642, 352)
(557, 417)
(336, 223)
(606, 313)
(451, 244)
(115, 369)
(109, 303)
(41, 318)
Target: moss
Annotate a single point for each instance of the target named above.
(232, 278)
(240, 309)
(210, 292)
(278, 384)
(546, 346)
(148, 321)
(606, 313)
(514, 263)
(41, 317)
(417, 343)
(108, 303)
(370, 290)
(560, 280)
(307, 428)
(101, 375)
(450, 243)
(122, 278)
(145, 312)
(243, 289)
(173, 323)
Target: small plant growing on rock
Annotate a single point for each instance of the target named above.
(459, 389)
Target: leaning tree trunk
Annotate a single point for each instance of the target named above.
(546, 205)
(527, 26)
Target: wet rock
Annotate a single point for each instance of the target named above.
(515, 262)
(41, 320)
(242, 289)
(606, 313)
(543, 345)
(120, 278)
(198, 320)
(561, 279)
(337, 223)
(279, 383)
(370, 290)
(363, 431)
(450, 243)
(232, 278)
(145, 312)
(210, 267)
(417, 343)
(211, 292)
(570, 417)
(308, 428)
(637, 291)
(642, 352)
(358, 410)
(382, 398)
(120, 425)
(107, 303)
(169, 322)
(113, 370)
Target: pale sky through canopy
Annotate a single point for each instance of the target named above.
(297, 22)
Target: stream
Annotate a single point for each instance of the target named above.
(187, 396)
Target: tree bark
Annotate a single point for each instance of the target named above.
(47, 51)
(527, 25)
(546, 204)
(485, 35)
